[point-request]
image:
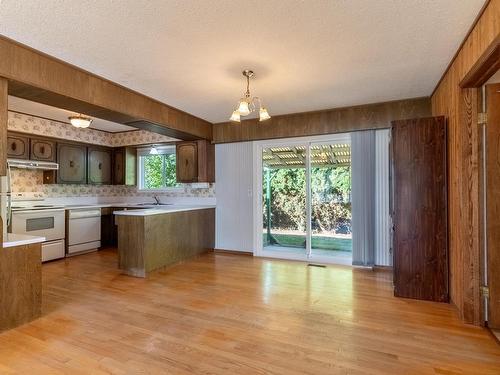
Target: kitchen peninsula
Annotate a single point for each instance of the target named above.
(149, 239)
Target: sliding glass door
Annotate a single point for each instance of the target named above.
(330, 201)
(284, 199)
(305, 205)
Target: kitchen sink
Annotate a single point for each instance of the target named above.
(154, 204)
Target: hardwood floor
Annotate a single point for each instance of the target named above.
(230, 314)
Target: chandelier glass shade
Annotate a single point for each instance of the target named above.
(80, 121)
(248, 104)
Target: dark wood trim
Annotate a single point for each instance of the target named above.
(36, 76)
(484, 68)
(337, 120)
(232, 252)
(476, 20)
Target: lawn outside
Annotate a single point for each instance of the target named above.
(323, 242)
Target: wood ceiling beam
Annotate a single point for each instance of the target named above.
(36, 76)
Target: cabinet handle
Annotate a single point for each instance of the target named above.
(13, 146)
(42, 149)
(100, 165)
(71, 164)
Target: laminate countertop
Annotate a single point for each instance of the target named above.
(160, 210)
(13, 240)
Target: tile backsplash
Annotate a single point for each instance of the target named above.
(24, 180)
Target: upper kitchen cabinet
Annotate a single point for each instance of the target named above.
(72, 160)
(99, 166)
(195, 161)
(42, 149)
(124, 166)
(18, 146)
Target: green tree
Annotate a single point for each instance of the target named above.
(159, 171)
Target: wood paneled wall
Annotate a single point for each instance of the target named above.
(460, 106)
(3, 125)
(45, 79)
(3, 138)
(363, 117)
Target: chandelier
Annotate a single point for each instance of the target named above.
(247, 104)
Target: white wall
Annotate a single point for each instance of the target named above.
(234, 213)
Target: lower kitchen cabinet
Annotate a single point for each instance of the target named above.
(108, 228)
(72, 159)
(99, 166)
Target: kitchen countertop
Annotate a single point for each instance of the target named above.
(21, 239)
(118, 205)
(158, 210)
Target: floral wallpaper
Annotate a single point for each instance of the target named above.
(23, 123)
(25, 180)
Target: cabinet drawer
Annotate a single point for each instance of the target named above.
(17, 146)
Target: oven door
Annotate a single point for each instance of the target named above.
(46, 223)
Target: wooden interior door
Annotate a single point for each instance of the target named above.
(420, 209)
(493, 201)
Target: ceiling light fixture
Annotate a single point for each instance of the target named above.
(80, 121)
(153, 151)
(247, 104)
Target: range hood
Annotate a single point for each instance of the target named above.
(32, 164)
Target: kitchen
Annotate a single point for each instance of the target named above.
(176, 197)
(64, 184)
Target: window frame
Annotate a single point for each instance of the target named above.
(162, 150)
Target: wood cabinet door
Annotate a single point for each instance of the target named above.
(72, 159)
(99, 166)
(42, 149)
(187, 162)
(420, 209)
(125, 166)
(17, 147)
(119, 167)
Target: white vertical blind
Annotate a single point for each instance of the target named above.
(363, 197)
(234, 185)
(383, 256)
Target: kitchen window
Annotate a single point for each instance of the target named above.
(157, 171)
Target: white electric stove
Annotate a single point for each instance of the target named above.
(31, 216)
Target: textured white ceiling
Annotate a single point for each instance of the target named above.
(307, 55)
